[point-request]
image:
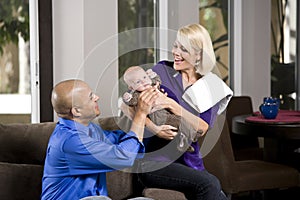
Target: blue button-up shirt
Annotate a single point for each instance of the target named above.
(79, 156)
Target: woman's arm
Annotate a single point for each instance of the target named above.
(168, 103)
(167, 132)
(164, 131)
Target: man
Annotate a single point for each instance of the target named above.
(79, 152)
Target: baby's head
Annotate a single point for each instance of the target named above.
(137, 79)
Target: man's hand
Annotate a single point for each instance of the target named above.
(161, 102)
(147, 99)
(145, 103)
(129, 111)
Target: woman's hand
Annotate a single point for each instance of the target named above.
(166, 132)
(164, 102)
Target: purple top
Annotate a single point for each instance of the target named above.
(172, 84)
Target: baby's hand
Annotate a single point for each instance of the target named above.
(127, 97)
(156, 85)
(151, 73)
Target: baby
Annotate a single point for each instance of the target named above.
(137, 80)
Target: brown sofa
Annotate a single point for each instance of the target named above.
(22, 154)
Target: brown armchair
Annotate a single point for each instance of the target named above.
(246, 175)
(244, 147)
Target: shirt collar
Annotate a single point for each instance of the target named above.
(74, 125)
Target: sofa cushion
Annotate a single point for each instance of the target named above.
(163, 194)
(27, 143)
(119, 185)
(20, 181)
(24, 143)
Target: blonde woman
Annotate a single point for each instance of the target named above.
(186, 80)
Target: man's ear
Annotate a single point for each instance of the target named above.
(75, 112)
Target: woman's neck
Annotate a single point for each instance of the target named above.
(189, 77)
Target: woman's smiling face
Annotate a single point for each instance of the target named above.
(183, 59)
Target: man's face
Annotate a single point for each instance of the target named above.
(86, 102)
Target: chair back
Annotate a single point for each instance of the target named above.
(246, 175)
(220, 160)
(240, 105)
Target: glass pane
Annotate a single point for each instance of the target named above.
(283, 52)
(134, 48)
(214, 17)
(14, 60)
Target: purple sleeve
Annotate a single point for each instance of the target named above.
(170, 93)
(210, 115)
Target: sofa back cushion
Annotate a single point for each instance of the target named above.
(27, 143)
(24, 143)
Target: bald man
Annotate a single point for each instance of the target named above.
(79, 152)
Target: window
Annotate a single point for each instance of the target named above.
(213, 16)
(136, 35)
(14, 61)
(283, 52)
(15, 71)
(135, 14)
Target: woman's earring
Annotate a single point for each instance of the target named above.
(197, 62)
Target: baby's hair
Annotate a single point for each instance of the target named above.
(129, 70)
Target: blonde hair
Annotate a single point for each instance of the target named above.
(196, 37)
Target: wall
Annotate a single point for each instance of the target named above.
(252, 49)
(173, 15)
(85, 46)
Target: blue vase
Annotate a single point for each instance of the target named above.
(269, 110)
(272, 100)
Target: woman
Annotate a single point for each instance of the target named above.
(162, 166)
